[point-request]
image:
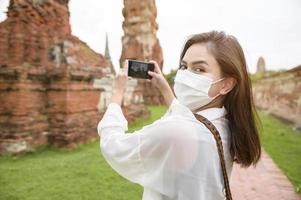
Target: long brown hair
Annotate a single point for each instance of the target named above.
(243, 119)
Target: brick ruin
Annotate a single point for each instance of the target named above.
(47, 80)
(140, 41)
(261, 66)
(279, 95)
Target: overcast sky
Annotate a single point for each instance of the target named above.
(268, 28)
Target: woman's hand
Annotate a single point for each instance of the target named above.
(161, 83)
(158, 79)
(119, 84)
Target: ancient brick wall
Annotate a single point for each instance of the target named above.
(46, 79)
(140, 41)
(280, 95)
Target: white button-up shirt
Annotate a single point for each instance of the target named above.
(174, 158)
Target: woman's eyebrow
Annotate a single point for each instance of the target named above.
(196, 62)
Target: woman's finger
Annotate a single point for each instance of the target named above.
(153, 74)
(157, 68)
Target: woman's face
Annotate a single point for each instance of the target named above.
(199, 60)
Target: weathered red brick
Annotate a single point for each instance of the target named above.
(46, 79)
(140, 41)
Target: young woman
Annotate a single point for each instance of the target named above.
(176, 157)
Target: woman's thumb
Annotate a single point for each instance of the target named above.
(153, 74)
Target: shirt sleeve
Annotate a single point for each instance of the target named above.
(120, 150)
(147, 156)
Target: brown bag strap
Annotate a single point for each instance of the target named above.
(219, 145)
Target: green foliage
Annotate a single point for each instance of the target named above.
(170, 77)
(258, 76)
(255, 76)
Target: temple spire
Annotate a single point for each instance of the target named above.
(108, 56)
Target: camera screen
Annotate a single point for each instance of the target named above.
(139, 69)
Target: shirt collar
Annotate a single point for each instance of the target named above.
(209, 113)
(213, 113)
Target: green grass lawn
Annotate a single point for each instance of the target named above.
(284, 146)
(56, 174)
(83, 173)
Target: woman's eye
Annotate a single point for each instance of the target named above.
(183, 67)
(199, 70)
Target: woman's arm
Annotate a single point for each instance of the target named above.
(161, 83)
(131, 154)
(168, 96)
(150, 156)
(147, 154)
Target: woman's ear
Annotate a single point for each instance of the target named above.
(228, 85)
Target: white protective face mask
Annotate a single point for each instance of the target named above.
(192, 89)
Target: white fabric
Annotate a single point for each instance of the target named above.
(174, 158)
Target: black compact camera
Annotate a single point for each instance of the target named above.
(139, 69)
